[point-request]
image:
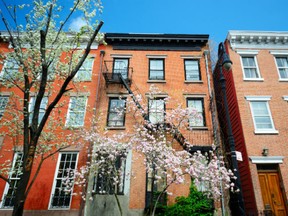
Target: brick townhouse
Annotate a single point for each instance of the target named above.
(179, 66)
(257, 88)
(76, 111)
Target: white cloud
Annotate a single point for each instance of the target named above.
(77, 23)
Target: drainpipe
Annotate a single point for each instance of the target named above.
(206, 52)
(102, 53)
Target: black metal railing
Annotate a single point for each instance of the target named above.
(61, 201)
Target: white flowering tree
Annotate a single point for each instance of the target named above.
(154, 141)
(41, 58)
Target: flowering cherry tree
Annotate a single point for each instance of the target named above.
(41, 60)
(154, 142)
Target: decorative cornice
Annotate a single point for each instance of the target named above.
(258, 39)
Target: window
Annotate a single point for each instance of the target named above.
(156, 69)
(116, 113)
(120, 66)
(192, 72)
(250, 67)
(261, 114)
(3, 104)
(282, 65)
(85, 71)
(198, 105)
(105, 182)
(14, 177)
(60, 197)
(76, 111)
(10, 70)
(42, 109)
(156, 110)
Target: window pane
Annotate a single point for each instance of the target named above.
(198, 120)
(261, 115)
(282, 64)
(156, 111)
(192, 70)
(116, 114)
(14, 177)
(121, 66)
(42, 109)
(60, 197)
(85, 71)
(156, 70)
(250, 68)
(76, 111)
(3, 104)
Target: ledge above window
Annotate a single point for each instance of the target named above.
(197, 128)
(266, 132)
(156, 81)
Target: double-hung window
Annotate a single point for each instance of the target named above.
(120, 66)
(156, 69)
(111, 180)
(192, 71)
(85, 71)
(261, 114)
(76, 111)
(14, 178)
(282, 65)
(42, 109)
(198, 118)
(10, 70)
(156, 110)
(116, 113)
(61, 195)
(250, 68)
(3, 104)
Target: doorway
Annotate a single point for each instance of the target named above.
(271, 189)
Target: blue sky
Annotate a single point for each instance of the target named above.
(213, 17)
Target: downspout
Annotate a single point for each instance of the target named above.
(102, 53)
(214, 124)
(206, 52)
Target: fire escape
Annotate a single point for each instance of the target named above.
(123, 76)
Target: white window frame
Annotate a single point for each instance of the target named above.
(67, 124)
(86, 69)
(256, 67)
(3, 103)
(199, 79)
(202, 112)
(56, 178)
(16, 155)
(159, 119)
(117, 110)
(275, 58)
(42, 109)
(266, 100)
(4, 69)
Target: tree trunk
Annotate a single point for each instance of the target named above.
(20, 196)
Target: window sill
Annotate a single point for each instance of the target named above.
(156, 81)
(198, 128)
(73, 127)
(283, 80)
(253, 80)
(196, 82)
(273, 132)
(76, 81)
(58, 209)
(116, 128)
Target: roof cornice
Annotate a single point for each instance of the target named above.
(258, 39)
(160, 37)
